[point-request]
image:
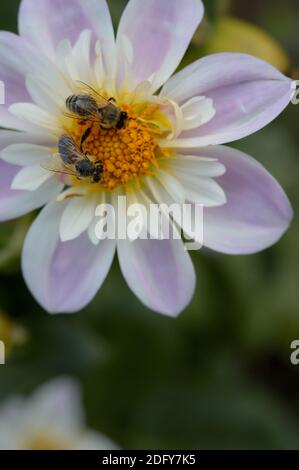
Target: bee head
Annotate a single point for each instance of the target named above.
(97, 174)
(122, 120)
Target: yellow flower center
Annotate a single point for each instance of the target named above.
(127, 154)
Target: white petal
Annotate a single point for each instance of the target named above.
(197, 111)
(45, 96)
(172, 186)
(13, 137)
(30, 178)
(91, 231)
(101, 199)
(34, 114)
(162, 195)
(81, 57)
(25, 154)
(74, 62)
(158, 191)
(99, 65)
(196, 165)
(77, 217)
(72, 192)
(66, 61)
(63, 51)
(126, 53)
(205, 191)
(199, 189)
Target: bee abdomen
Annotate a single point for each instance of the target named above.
(71, 103)
(82, 105)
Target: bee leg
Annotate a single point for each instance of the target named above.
(84, 138)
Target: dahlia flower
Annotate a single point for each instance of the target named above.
(50, 419)
(170, 149)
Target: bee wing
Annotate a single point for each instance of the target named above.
(101, 101)
(67, 145)
(78, 118)
(56, 165)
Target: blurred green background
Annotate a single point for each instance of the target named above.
(220, 375)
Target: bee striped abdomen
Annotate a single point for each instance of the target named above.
(82, 105)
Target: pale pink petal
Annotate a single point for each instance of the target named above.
(247, 94)
(159, 272)
(257, 212)
(159, 32)
(17, 58)
(13, 204)
(47, 22)
(13, 67)
(63, 277)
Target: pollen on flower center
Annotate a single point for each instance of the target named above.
(127, 154)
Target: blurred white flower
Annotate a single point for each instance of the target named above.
(50, 419)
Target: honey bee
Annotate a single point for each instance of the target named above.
(91, 106)
(71, 160)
